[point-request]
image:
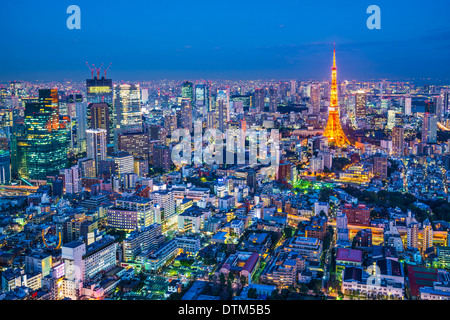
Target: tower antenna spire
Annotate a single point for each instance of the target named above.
(334, 55)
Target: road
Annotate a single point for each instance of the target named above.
(327, 264)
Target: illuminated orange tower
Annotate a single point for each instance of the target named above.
(333, 130)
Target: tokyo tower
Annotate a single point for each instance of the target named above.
(333, 130)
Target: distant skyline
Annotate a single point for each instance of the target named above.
(149, 40)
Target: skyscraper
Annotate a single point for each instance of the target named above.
(380, 165)
(186, 114)
(390, 119)
(222, 116)
(360, 104)
(72, 180)
(315, 99)
(161, 157)
(96, 145)
(128, 113)
(223, 94)
(333, 130)
(99, 117)
(5, 167)
(124, 163)
(203, 97)
(259, 100)
(101, 91)
(429, 128)
(398, 141)
(446, 102)
(42, 151)
(187, 91)
(413, 235)
(136, 144)
(407, 106)
(273, 98)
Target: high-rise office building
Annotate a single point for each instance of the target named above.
(222, 116)
(161, 157)
(315, 99)
(76, 110)
(96, 145)
(407, 106)
(390, 119)
(99, 117)
(72, 180)
(446, 102)
(170, 123)
(5, 167)
(259, 100)
(87, 167)
(293, 88)
(360, 104)
(203, 97)
(429, 128)
(42, 150)
(186, 114)
(187, 91)
(439, 102)
(380, 165)
(128, 113)
(398, 140)
(273, 96)
(101, 91)
(223, 95)
(136, 144)
(124, 163)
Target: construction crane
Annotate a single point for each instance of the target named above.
(107, 69)
(98, 71)
(91, 69)
(50, 247)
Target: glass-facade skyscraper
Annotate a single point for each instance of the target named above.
(128, 113)
(42, 150)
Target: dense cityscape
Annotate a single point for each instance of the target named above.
(353, 206)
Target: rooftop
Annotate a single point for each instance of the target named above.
(351, 255)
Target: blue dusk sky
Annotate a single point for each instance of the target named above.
(231, 39)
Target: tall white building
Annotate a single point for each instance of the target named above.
(100, 256)
(96, 145)
(427, 241)
(72, 182)
(413, 236)
(342, 229)
(407, 106)
(72, 256)
(166, 201)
